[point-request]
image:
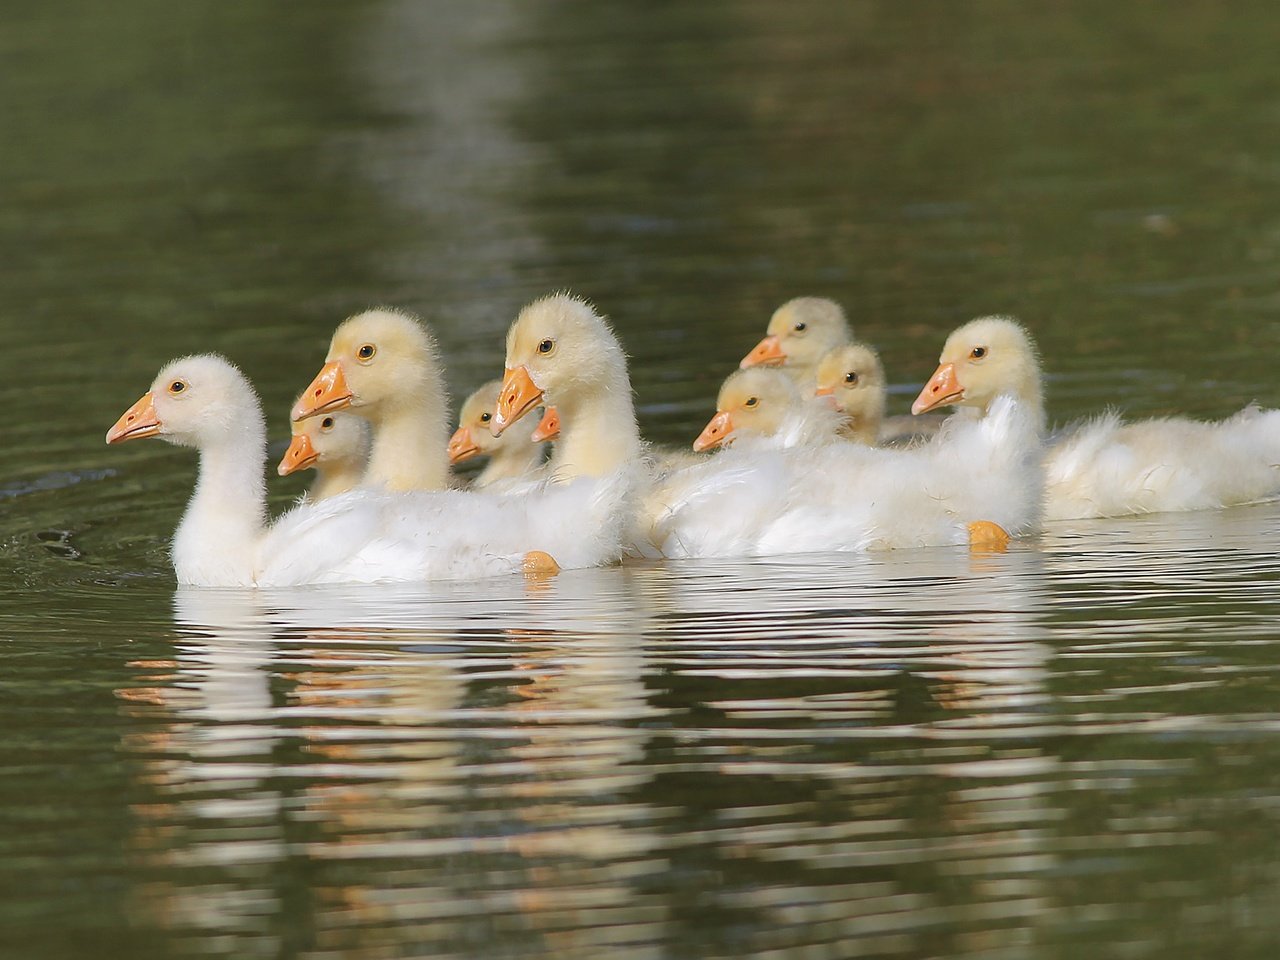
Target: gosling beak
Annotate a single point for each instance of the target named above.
(549, 427)
(766, 353)
(461, 446)
(943, 388)
(328, 391)
(519, 395)
(827, 396)
(715, 433)
(300, 455)
(137, 422)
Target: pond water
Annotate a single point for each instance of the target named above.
(1072, 749)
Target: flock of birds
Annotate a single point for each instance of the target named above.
(799, 456)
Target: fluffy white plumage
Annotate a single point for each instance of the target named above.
(846, 497)
(375, 537)
(1107, 468)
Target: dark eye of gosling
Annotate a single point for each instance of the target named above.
(977, 353)
(486, 417)
(326, 423)
(752, 401)
(366, 352)
(546, 346)
(850, 377)
(801, 327)
(177, 386)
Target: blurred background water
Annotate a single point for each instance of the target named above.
(1073, 749)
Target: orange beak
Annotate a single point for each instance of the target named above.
(549, 427)
(519, 395)
(943, 388)
(328, 391)
(137, 422)
(300, 455)
(715, 433)
(461, 446)
(828, 396)
(766, 353)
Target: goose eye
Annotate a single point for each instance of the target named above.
(801, 327)
(752, 401)
(326, 423)
(366, 351)
(486, 417)
(850, 377)
(977, 353)
(177, 387)
(546, 346)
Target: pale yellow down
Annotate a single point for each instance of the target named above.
(994, 356)
(341, 443)
(400, 392)
(853, 377)
(806, 328)
(584, 376)
(512, 455)
(760, 400)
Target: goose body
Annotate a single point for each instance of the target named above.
(847, 497)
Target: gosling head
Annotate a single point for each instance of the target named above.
(473, 437)
(330, 440)
(980, 361)
(559, 349)
(752, 402)
(852, 378)
(377, 361)
(193, 402)
(799, 333)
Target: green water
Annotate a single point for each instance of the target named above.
(1071, 750)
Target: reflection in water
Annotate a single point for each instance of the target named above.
(565, 769)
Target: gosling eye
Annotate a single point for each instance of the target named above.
(977, 353)
(366, 351)
(851, 377)
(801, 327)
(752, 401)
(486, 417)
(326, 423)
(546, 346)
(177, 387)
